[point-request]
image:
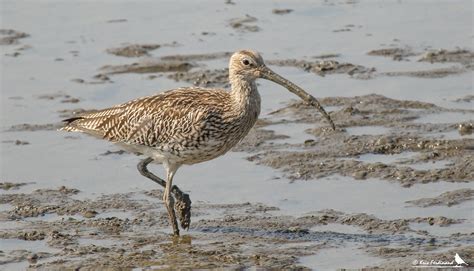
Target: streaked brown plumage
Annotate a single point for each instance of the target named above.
(187, 125)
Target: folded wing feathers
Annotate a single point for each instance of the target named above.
(149, 120)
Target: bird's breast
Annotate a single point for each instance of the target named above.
(216, 138)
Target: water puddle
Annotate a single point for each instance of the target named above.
(333, 108)
(431, 165)
(16, 266)
(368, 130)
(8, 245)
(347, 257)
(295, 131)
(10, 224)
(5, 207)
(446, 117)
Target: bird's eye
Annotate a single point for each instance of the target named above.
(246, 62)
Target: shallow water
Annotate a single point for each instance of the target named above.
(368, 130)
(447, 117)
(51, 160)
(330, 259)
(295, 132)
(430, 165)
(34, 246)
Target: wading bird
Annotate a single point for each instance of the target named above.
(187, 125)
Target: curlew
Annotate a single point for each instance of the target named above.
(187, 125)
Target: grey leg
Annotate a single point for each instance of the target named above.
(168, 199)
(142, 168)
(183, 202)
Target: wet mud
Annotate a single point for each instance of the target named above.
(282, 11)
(199, 76)
(133, 50)
(467, 99)
(465, 57)
(244, 24)
(33, 127)
(323, 67)
(16, 142)
(205, 78)
(146, 66)
(193, 69)
(395, 53)
(324, 56)
(460, 56)
(434, 73)
(126, 230)
(465, 128)
(63, 98)
(449, 199)
(9, 185)
(378, 139)
(117, 21)
(137, 50)
(96, 79)
(325, 152)
(11, 37)
(129, 229)
(197, 57)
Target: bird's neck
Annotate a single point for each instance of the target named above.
(245, 97)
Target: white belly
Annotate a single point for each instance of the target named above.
(164, 154)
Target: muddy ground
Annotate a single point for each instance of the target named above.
(56, 228)
(125, 230)
(128, 230)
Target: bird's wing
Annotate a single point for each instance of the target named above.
(168, 117)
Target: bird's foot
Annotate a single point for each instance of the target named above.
(183, 208)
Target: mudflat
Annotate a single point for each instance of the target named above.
(391, 187)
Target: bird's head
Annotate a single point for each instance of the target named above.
(248, 65)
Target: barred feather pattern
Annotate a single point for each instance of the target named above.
(185, 125)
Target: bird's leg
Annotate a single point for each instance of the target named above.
(183, 202)
(169, 200)
(142, 168)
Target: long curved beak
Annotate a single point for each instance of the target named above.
(268, 74)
